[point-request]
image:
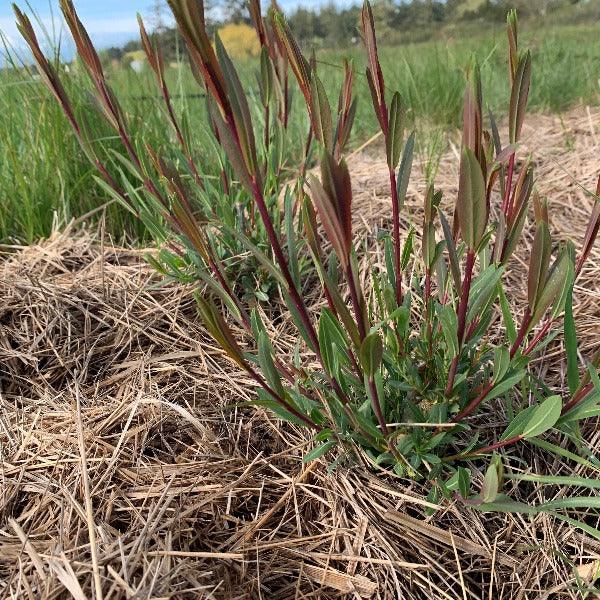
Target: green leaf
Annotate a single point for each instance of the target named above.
(321, 113)
(331, 336)
(584, 482)
(559, 278)
(239, 108)
(452, 255)
(566, 454)
(483, 291)
(504, 504)
(407, 249)
(449, 322)
(267, 366)
(571, 344)
(505, 385)
(501, 362)
(404, 170)
(574, 502)
(395, 131)
(518, 97)
(266, 76)
(491, 484)
(509, 323)
(544, 417)
(471, 205)
(592, 531)
(538, 263)
(318, 451)
(371, 353)
(464, 482)
(518, 424)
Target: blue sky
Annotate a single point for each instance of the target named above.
(109, 22)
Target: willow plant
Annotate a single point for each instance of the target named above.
(410, 367)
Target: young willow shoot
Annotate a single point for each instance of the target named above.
(408, 363)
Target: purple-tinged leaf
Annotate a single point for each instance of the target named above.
(518, 97)
(374, 73)
(592, 230)
(320, 110)
(329, 218)
(471, 203)
(472, 116)
(513, 48)
(557, 282)
(538, 263)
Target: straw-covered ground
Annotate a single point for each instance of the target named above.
(130, 470)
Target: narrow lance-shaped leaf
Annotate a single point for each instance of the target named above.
(561, 299)
(452, 254)
(429, 241)
(544, 417)
(320, 111)
(257, 21)
(404, 170)
(371, 354)
(299, 64)
(346, 110)
(557, 280)
(491, 484)
(219, 330)
(521, 194)
(395, 133)
(571, 344)
(517, 217)
(513, 52)
(229, 144)
(332, 340)
(266, 79)
(333, 200)
(374, 73)
(538, 264)
(472, 115)
(591, 232)
(239, 110)
(471, 205)
(189, 15)
(518, 97)
(267, 365)
(329, 218)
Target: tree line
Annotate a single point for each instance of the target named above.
(333, 26)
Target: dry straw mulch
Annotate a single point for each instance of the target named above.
(130, 469)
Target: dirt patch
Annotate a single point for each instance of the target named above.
(130, 465)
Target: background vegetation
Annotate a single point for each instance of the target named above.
(57, 183)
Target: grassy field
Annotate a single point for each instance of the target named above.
(45, 179)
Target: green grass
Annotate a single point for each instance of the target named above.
(45, 178)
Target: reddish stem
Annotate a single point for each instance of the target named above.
(473, 404)
(577, 397)
(522, 333)
(377, 407)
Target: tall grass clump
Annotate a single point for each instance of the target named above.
(408, 364)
